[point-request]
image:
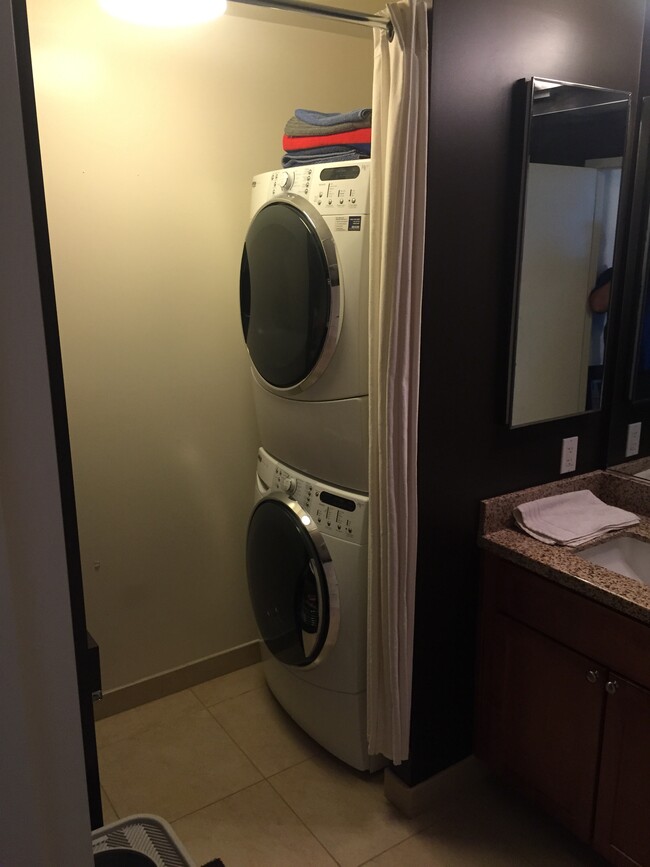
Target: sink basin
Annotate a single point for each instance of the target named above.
(624, 555)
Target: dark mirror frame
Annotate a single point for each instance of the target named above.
(523, 93)
(640, 249)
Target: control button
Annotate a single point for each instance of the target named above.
(354, 201)
(329, 201)
(340, 201)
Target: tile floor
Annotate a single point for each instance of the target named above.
(238, 780)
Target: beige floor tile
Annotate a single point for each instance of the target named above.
(229, 685)
(174, 768)
(139, 719)
(497, 819)
(107, 810)
(539, 838)
(264, 731)
(253, 828)
(485, 823)
(443, 845)
(422, 850)
(345, 810)
(433, 848)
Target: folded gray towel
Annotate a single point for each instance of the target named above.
(299, 158)
(321, 118)
(299, 128)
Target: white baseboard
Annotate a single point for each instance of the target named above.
(134, 694)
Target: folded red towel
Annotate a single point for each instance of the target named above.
(302, 142)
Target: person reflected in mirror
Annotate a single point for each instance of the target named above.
(641, 390)
(599, 295)
(598, 302)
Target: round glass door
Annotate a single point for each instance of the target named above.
(289, 295)
(290, 580)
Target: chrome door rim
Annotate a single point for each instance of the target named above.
(325, 559)
(335, 318)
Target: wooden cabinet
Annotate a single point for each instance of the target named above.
(622, 832)
(558, 713)
(547, 717)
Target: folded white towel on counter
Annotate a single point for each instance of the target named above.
(571, 519)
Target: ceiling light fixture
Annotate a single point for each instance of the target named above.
(164, 13)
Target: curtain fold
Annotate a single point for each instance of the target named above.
(398, 191)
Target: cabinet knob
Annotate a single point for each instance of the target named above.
(593, 675)
(611, 686)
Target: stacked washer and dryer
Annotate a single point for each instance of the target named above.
(304, 308)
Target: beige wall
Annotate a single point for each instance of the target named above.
(149, 140)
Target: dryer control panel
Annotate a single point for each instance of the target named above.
(334, 511)
(342, 187)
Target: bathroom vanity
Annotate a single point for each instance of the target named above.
(563, 694)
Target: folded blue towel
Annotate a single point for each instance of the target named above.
(332, 149)
(305, 158)
(319, 118)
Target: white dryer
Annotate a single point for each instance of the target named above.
(304, 309)
(306, 555)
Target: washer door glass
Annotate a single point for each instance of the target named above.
(287, 584)
(285, 295)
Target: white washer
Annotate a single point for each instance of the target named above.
(307, 564)
(304, 308)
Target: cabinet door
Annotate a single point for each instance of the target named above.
(622, 831)
(545, 720)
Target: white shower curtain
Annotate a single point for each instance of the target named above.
(398, 185)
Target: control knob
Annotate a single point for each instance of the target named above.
(289, 485)
(285, 180)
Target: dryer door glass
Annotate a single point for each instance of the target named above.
(285, 294)
(287, 584)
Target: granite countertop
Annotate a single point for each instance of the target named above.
(499, 535)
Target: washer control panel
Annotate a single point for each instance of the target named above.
(335, 512)
(330, 187)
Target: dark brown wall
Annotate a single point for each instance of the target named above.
(479, 49)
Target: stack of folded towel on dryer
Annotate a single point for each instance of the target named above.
(318, 137)
(571, 519)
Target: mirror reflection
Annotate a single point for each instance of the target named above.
(571, 178)
(638, 469)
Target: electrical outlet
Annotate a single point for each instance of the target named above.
(633, 439)
(569, 454)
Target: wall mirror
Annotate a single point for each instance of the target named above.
(573, 147)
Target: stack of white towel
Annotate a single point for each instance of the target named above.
(571, 519)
